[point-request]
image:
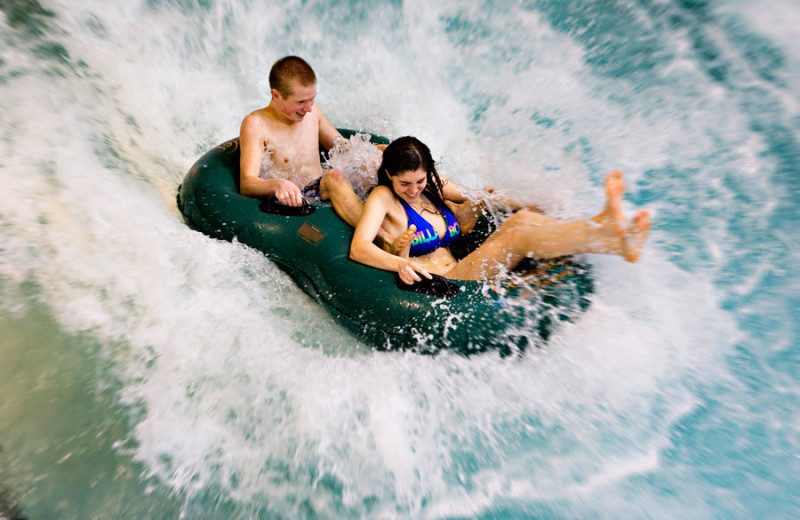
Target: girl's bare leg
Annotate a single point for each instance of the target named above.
(467, 213)
(532, 234)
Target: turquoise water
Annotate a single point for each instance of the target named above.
(147, 371)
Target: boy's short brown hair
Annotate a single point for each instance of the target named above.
(287, 69)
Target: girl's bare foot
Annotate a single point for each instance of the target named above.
(625, 241)
(612, 219)
(636, 236)
(615, 190)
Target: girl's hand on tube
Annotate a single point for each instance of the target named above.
(408, 272)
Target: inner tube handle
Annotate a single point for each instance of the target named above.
(271, 206)
(437, 286)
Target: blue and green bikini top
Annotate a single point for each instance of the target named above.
(426, 240)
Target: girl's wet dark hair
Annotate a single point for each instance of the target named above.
(407, 154)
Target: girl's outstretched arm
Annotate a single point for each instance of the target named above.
(363, 248)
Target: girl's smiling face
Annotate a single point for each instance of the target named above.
(409, 185)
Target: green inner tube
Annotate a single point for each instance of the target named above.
(313, 249)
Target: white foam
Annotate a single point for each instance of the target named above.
(237, 380)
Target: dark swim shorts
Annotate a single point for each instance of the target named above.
(311, 191)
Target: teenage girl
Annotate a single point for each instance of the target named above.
(409, 202)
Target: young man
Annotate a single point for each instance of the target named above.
(291, 129)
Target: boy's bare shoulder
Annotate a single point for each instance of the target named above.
(256, 118)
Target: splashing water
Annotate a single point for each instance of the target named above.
(358, 160)
(151, 372)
